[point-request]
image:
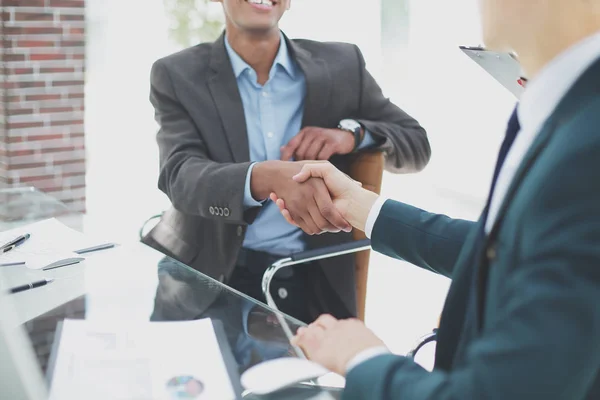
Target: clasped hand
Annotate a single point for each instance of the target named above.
(341, 188)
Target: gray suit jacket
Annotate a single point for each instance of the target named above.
(204, 153)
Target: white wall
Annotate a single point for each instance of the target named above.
(124, 38)
(352, 21)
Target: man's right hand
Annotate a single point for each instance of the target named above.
(307, 202)
(349, 198)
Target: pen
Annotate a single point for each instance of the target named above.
(14, 243)
(96, 248)
(31, 285)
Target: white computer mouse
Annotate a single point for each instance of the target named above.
(270, 376)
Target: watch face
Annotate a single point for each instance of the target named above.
(349, 124)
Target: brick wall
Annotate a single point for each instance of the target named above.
(42, 97)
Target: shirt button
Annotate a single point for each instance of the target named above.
(265, 94)
(283, 293)
(239, 231)
(270, 135)
(491, 253)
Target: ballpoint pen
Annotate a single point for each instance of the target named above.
(31, 285)
(14, 243)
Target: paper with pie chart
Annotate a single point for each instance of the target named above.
(153, 361)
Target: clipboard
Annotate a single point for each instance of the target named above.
(503, 67)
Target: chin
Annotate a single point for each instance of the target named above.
(259, 29)
(494, 41)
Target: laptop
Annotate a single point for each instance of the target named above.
(503, 67)
(20, 374)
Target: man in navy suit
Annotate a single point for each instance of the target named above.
(522, 317)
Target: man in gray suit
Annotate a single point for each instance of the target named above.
(233, 114)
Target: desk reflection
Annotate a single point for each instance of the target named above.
(253, 332)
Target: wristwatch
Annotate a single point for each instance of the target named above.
(354, 128)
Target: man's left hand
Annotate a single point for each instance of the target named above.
(313, 143)
(334, 343)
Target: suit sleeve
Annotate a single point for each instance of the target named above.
(399, 135)
(192, 181)
(543, 342)
(430, 241)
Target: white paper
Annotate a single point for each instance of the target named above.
(50, 241)
(146, 361)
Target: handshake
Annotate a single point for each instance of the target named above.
(314, 195)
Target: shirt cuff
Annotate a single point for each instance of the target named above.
(249, 201)
(367, 141)
(366, 355)
(373, 215)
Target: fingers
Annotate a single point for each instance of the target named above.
(316, 330)
(288, 217)
(309, 339)
(306, 222)
(287, 151)
(315, 148)
(313, 170)
(307, 145)
(281, 205)
(307, 140)
(321, 222)
(316, 214)
(327, 321)
(326, 152)
(327, 209)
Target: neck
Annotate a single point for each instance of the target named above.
(537, 52)
(257, 50)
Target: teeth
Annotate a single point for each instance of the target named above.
(264, 2)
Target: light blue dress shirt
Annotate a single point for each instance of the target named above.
(273, 113)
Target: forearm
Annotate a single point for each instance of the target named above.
(264, 175)
(204, 188)
(430, 241)
(404, 232)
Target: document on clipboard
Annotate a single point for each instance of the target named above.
(503, 67)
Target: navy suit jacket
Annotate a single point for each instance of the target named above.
(531, 330)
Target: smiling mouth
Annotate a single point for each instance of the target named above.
(262, 4)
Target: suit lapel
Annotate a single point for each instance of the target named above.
(532, 154)
(226, 95)
(318, 84)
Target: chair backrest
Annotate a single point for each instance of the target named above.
(367, 169)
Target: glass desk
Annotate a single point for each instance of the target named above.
(136, 283)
